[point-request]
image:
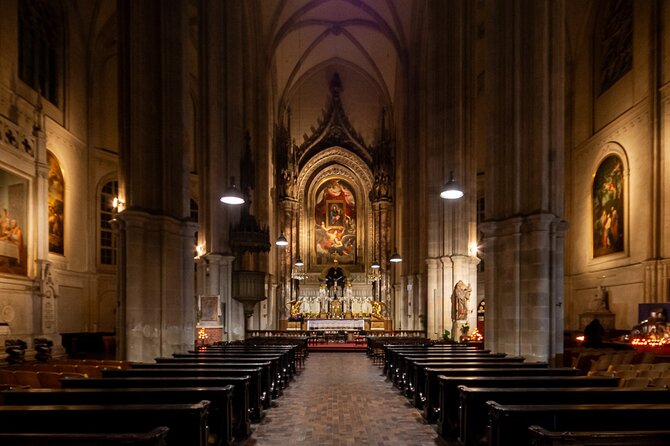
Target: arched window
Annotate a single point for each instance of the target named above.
(41, 47)
(108, 196)
(614, 44)
(56, 205)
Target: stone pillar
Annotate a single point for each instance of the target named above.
(157, 312)
(288, 208)
(525, 109)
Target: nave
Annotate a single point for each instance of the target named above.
(343, 399)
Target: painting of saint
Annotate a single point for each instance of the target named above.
(56, 205)
(13, 217)
(335, 222)
(608, 206)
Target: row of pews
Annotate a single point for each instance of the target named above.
(482, 398)
(208, 396)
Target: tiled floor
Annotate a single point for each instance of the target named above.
(342, 399)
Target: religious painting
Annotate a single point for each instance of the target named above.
(56, 202)
(13, 221)
(608, 206)
(335, 222)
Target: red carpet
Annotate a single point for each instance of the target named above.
(338, 347)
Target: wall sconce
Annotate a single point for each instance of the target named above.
(200, 250)
(118, 205)
(473, 248)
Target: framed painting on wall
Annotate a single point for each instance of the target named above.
(335, 222)
(56, 205)
(608, 207)
(13, 221)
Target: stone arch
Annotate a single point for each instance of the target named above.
(335, 162)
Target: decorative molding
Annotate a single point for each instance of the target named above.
(334, 129)
(14, 136)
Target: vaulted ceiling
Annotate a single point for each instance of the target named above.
(364, 41)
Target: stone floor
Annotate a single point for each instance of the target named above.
(342, 399)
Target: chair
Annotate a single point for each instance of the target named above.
(634, 382)
(651, 374)
(26, 378)
(7, 377)
(625, 374)
(50, 380)
(615, 369)
(643, 366)
(661, 382)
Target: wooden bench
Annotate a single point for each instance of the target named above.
(280, 364)
(274, 373)
(267, 384)
(398, 369)
(543, 437)
(186, 422)
(509, 424)
(433, 406)
(219, 418)
(241, 419)
(416, 383)
(156, 437)
(449, 392)
(470, 419)
(256, 397)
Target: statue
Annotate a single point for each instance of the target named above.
(295, 307)
(377, 309)
(460, 299)
(600, 301)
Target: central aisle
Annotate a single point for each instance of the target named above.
(342, 399)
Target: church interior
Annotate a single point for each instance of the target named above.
(184, 173)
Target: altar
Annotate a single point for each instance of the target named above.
(336, 324)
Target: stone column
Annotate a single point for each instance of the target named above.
(525, 109)
(157, 313)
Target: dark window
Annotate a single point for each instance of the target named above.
(40, 47)
(615, 45)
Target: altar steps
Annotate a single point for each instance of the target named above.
(338, 347)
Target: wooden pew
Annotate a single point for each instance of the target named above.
(155, 437)
(267, 385)
(509, 424)
(225, 362)
(280, 363)
(415, 388)
(470, 419)
(255, 389)
(219, 417)
(432, 406)
(449, 392)
(397, 369)
(186, 422)
(543, 437)
(241, 425)
(391, 352)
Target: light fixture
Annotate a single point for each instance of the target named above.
(299, 262)
(200, 250)
(375, 265)
(232, 195)
(118, 204)
(281, 240)
(452, 190)
(395, 257)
